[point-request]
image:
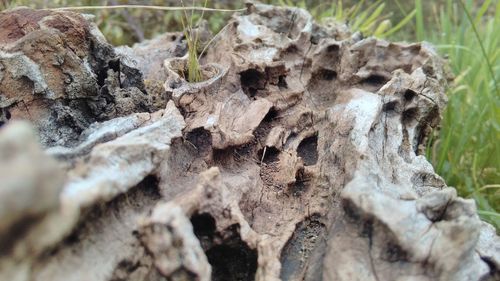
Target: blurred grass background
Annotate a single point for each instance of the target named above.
(465, 150)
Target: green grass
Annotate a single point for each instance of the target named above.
(466, 150)
(192, 38)
(128, 26)
(368, 18)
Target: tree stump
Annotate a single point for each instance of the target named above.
(298, 158)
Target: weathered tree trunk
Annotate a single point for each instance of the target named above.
(298, 158)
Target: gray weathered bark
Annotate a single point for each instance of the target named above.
(298, 158)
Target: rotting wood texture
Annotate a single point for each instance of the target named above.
(298, 158)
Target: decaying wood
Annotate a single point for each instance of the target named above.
(298, 158)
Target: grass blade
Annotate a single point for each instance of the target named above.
(400, 25)
(420, 30)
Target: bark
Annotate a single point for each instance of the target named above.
(298, 158)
